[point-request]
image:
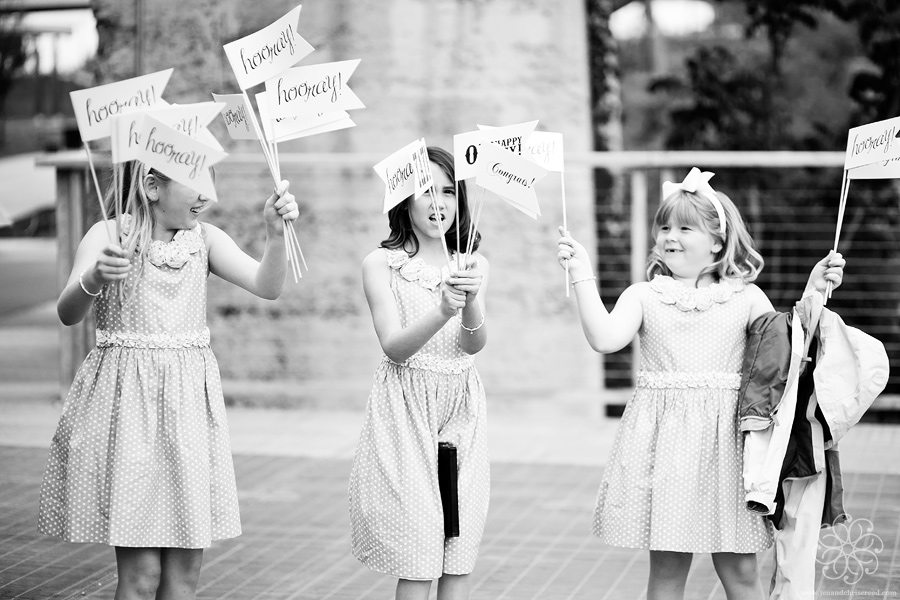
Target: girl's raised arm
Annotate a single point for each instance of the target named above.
(397, 342)
(264, 278)
(606, 332)
(97, 262)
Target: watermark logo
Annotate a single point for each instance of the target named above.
(849, 550)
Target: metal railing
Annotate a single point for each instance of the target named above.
(77, 199)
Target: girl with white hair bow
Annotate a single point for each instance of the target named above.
(673, 483)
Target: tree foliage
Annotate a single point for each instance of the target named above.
(13, 55)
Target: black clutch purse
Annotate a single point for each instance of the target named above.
(448, 471)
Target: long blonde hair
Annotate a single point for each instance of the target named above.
(738, 257)
(129, 178)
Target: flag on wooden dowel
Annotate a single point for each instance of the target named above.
(254, 59)
(511, 177)
(266, 53)
(467, 146)
(236, 115)
(308, 91)
(291, 128)
(94, 107)
(405, 173)
(872, 152)
(185, 159)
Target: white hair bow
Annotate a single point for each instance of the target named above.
(697, 182)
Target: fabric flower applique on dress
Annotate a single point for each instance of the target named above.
(687, 298)
(414, 269)
(174, 254)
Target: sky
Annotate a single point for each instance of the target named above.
(672, 17)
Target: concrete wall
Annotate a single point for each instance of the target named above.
(429, 68)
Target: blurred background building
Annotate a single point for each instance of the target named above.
(613, 76)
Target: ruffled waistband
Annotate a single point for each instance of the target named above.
(127, 339)
(429, 362)
(671, 380)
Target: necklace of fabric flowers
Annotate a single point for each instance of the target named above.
(415, 269)
(174, 254)
(687, 298)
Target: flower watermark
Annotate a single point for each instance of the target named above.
(849, 550)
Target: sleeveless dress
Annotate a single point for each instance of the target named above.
(673, 480)
(436, 395)
(141, 456)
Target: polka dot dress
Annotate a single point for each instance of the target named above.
(397, 524)
(141, 456)
(673, 481)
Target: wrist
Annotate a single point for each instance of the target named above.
(582, 273)
(473, 326)
(87, 280)
(274, 230)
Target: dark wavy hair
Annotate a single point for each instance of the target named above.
(401, 227)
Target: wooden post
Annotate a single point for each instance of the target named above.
(71, 222)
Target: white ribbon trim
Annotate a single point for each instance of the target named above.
(697, 182)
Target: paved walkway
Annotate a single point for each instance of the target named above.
(293, 468)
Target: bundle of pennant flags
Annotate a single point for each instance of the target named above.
(175, 140)
(507, 161)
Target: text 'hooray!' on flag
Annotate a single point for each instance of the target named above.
(306, 91)
(171, 152)
(189, 119)
(875, 142)
(95, 106)
(406, 172)
(266, 53)
(237, 116)
(511, 177)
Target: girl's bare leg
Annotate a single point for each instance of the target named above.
(139, 572)
(739, 575)
(668, 574)
(410, 589)
(180, 573)
(453, 587)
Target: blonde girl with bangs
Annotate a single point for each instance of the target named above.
(141, 458)
(672, 484)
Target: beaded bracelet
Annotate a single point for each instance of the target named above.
(591, 278)
(81, 283)
(472, 330)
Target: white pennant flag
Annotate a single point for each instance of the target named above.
(173, 153)
(237, 116)
(466, 146)
(268, 52)
(889, 169)
(307, 91)
(290, 128)
(190, 119)
(873, 143)
(405, 173)
(511, 177)
(545, 148)
(94, 107)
